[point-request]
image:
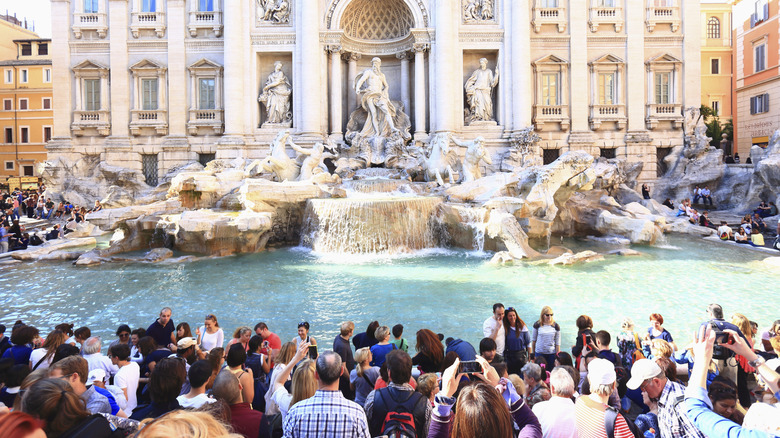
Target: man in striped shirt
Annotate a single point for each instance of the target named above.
(590, 410)
(327, 414)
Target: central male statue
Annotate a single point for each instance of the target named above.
(372, 88)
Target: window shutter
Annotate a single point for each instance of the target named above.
(765, 11)
(752, 105)
(752, 20)
(766, 102)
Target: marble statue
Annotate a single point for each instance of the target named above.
(479, 93)
(440, 159)
(372, 88)
(475, 153)
(278, 162)
(274, 11)
(313, 164)
(276, 96)
(477, 10)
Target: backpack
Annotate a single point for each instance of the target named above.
(610, 420)
(262, 384)
(724, 236)
(399, 419)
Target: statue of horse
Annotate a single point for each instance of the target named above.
(440, 159)
(278, 162)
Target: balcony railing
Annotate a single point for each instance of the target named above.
(148, 21)
(671, 112)
(551, 114)
(205, 118)
(205, 20)
(154, 119)
(601, 15)
(607, 113)
(84, 120)
(89, 22)
(663, 15)
(556, 16)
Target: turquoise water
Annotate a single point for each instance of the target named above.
(450, 292)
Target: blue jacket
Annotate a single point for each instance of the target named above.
(463, 349)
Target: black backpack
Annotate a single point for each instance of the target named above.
(610, 420)
(398, 421)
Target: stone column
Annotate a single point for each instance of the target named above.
(691, 80)
(309, 78)
(404, 57)
(177, 69)
(120, 74)
(352, 59)
(419, 89)
(447, 78)
(335, 90)
(636, 84)
(234, 71)
(579, 68)
(522, 91)
(62, 75)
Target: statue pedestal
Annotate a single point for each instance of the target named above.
(482, 123)
(276, 126)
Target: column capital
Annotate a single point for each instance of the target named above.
(421, 47)
(350, 56)
(333, 48)
(403, 56)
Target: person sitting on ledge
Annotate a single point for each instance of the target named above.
(704, 220)
(693, 216)
(724, 231)
(742, 236)
(756, 238)
(757, 223)
(669, 203)
(763, 210)
(682, 209)
(706, 195)
(696, 194)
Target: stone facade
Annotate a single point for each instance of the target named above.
(176, 81)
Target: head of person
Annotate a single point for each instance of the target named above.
(82, 334)
(303, 329)
(15, 375)
(660, 348)
(255, 342)
(428, 385)
(371, 329)
(20, 425)
(602, 377)
(165, 315)
(563, 359)
(647, 376)
(376, 63)
(199, 373)
(24, 334)
(498, 311)
(363, 356)
(532, 374)
(668, 366)
(216, 358)
(182, 423)
(398, 331)
(236, 356)
(262, 329)
(227, 388)
(123, 333)
(286, 353)
(546, 316)
(183, 331)
(584, 322)
(627, 325)
(166, 380)
(243, 334)
(63, 351)
(147, 345)
(775, 343)
(119, 353)
(723, 395)
(185, 348)
(136, 335)
(481, 412)
(603, 339)
(399, 366)
(561, 383)
(53, 341)
(210, 321)
(512, 319)
(428, 343)
(656, 321)
(382, 333)
(55, 404)
(92, 345)
(74, 370)
(346, 329)
(329, 368)
(743, 324)
(304, 383)
(487, 349)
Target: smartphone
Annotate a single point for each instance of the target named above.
(313, 352)
(469, 367)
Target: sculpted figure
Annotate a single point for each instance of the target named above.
(440, 160)
(276, 96)
(278, 162)
(313, 163)
(372, 88)
(475, 153)
(479, 90)
(277, 11)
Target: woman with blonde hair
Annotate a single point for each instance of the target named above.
(41, 358)
(628, 343)
(283, 358)
(304, 384)
(546, 336)
(743, 369)
(185, 423)
(242, 335)
(660, 348)
(363, 378)
(380, 350)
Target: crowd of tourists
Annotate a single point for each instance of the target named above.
(166, 380)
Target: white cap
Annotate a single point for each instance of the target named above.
(186, 343)
(601, 372)
(642, 370)
(96, 374)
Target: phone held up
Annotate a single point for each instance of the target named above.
(469, 367)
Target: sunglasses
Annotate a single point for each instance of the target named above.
(124, 335)
(548, 314)
(511, 309)
(210, 316)
(303, 324)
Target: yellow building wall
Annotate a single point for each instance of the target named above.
(8, 33)
(717, 87)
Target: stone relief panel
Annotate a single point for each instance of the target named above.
(478, 11)
(273, 11)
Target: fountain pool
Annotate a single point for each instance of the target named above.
(448, 291)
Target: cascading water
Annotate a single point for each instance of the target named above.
(476, 220)
(376, 225)
(375, 185)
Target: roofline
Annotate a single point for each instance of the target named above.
(31, 40)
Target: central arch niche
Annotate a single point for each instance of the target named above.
(370, 20)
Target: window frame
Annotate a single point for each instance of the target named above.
(715, 105)
(90, 104)
(47, 75)
(6, 131)
(47, 137)
(759, 62)
(8, 76)
(602, 88)
(556, 87)
(94, 6)
(658, 88)
(153, 95)
(25, 106)
(43, 103)
(713, 28)
(24, 135)
(8, 104)
(712, 70)
(24, 76)
(148, 6)
(759, 104)
(212, 97)
(203, 5)
(25, 47)
(12, 167)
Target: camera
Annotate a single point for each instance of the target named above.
(721, 337)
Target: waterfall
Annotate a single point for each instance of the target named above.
(383, 185)
(476, 220)
(378, 225)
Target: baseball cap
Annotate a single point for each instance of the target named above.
(601, 372)
(642, 370)
(185, 343)
(96, 374)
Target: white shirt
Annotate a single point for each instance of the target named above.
(97, 361)
(725, 229)
(556, 417)
(36, 355)
(194, 402)
(487, 329)
(211, 340)
(282, 398)
(127, 377)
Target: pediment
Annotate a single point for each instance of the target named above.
(550, 59)
(89, 65)
(146, 64)
(607, 59)
(664, 58)
(205, 64)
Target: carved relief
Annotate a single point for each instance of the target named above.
(475, 11)
(273, 11)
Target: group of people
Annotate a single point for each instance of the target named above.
(165, 380)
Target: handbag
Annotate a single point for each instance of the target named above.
(638, 354)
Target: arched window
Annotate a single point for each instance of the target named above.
(713, 28)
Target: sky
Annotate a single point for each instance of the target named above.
(36, 11)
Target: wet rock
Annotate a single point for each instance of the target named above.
(580, 257)
(625, 252)
(58, 246)
(641, 231)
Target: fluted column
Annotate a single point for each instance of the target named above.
(308, 55)
(635, 60)
(404, 57)
(521, 62)
(352, 59)
(445, 52)
(419, 89)
(335, 89)
(61, 71)
(120, 77)
(234, 71)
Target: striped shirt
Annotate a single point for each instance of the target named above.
(589, 418)
(326, 415)
(547, 337)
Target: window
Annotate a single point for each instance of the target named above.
(43, 49)
(550, 155)
(549, 3)
(28, 170)
(207, 97)
(92, 94)
(760, 14)
(46, 133)
(663, 83)
(47, 75)
(46, 103)
(715, 105)
(9, 165)
(24, 77)
(606, 88)
(8, 104)
(759, 104)
(26, 49)
(713, 28)
(550, 89)
(715, 66)
(8, 76)
(9, 135)
(24, 134)
(663, 3)
(149, 94)
(608, 153)
(90, 6)
(204, 159)
(759, 57)
(605, 3)
(149, 168)
(23, 104)
(206, 5)
(148, 6)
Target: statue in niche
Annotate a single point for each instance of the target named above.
(276, 97)
(274, 11)
(475, 153)
(372, 88)
(313, 164)
(479, 93)
(477, 10)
